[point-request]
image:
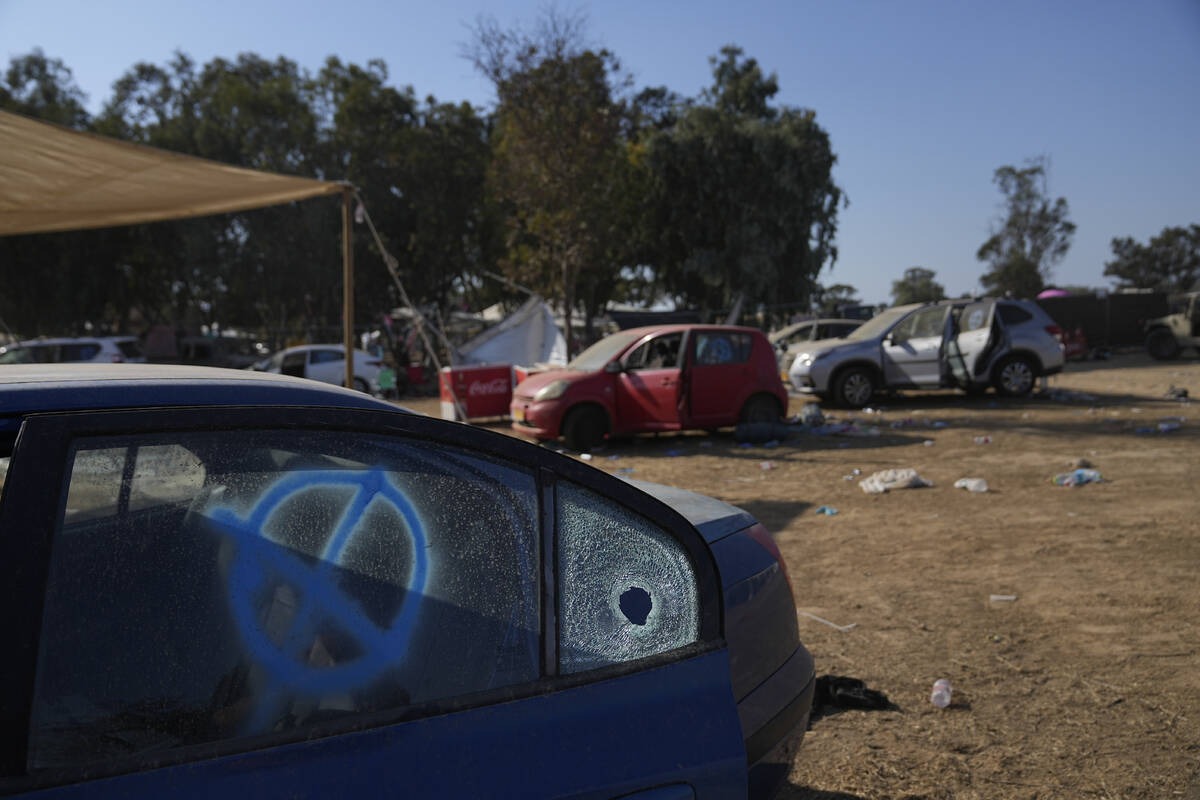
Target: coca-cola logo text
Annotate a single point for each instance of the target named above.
(494, 386)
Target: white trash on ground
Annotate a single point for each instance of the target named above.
(971, 484)
(890, 479)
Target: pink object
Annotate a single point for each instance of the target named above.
(1053, 293)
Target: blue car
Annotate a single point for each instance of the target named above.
(223, 583)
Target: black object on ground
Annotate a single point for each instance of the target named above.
(836, 693)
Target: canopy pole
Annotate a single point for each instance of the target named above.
(348, 283)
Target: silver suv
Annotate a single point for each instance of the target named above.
(965, 344)
(101, 349)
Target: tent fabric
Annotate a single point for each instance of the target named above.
(527, 337)
(54, 178)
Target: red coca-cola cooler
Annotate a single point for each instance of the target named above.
(483, 390)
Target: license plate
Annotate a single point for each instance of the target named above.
(518, 415)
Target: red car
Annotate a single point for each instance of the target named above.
(660, 378)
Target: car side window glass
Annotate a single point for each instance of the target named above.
(233, 584)
(974, 317)
(722, 347)
(1013, 315)
(661, 352)
(626, 587)
(326, 356)
(293, 364)
(920, 324)
(79, 352)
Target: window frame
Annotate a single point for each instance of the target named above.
(39, 460)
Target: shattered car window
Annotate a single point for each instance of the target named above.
(626, 588)
(218, 585)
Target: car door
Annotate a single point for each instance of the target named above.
(283, 602)
(912, 350)
(719, 375)
(648, 390)
(970, 340)
(326, 364)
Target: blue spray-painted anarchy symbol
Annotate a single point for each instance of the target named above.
(260, 562)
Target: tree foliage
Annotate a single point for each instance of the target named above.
(558, 163)
(1033, 234)
(828, 300)
(917, 286)
(742, 195)
(1170, 261)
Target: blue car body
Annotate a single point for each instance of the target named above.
(716, 713)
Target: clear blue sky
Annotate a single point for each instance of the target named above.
(922, 100)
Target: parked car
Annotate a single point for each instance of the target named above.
(968, 344)
(234, 352)
(787, 339)
(326, 363)
(102, 349)
(1167, 336)
(229, 583)
(658, 378)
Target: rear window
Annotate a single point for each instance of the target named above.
(84, 351)
(130, 349)
(722, 347)
(1013, 315)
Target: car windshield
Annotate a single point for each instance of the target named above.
(878, 325)
(603, 351)
(16, 355)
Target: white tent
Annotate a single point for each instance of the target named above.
(527, 337)
(54, 178)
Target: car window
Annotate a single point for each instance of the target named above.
(661, 352)
(722, 347)
(926, 322)
(326, 356)
(85, 351)
(974, 316)
(1013, 315)
(626, 590)
(130, 349)
(16, 355)
(211, 586)
(293, 364)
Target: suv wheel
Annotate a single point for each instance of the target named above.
(1161, 344)
(1014, 376)
(854, 387)
(585, 428)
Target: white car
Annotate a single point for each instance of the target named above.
(97, 349)
(325, 363)
(968, 344)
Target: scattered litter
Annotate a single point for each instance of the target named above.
(845, 429)
(971, 484)
(1167, 427)
(928, 443)
(746, 444)
(812, 415)
(940, 424)
(758, 432)
(856, 471)
(983, 440)
(1176, 393)
(834, 625)
(940, 696)
(1077, 478)
(1081, 463)
(847, 477)
(890, 479)
(673, 453)
(1136, 410)
(1067, 396)
(772, 443)
(625, 471)
(995, 637)
(828, 511)
(1003, 598)
(835, 692)
(766, 465)
(613, 458)
(586, 456)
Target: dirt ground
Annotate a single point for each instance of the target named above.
(1085, 684)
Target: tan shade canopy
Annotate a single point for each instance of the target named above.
(54, 179)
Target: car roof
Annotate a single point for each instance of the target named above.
(685, 326)
(32, 388)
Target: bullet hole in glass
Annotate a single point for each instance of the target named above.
(636, 605)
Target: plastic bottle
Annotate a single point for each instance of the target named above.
(941, 693)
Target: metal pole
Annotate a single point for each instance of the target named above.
(348, 283)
